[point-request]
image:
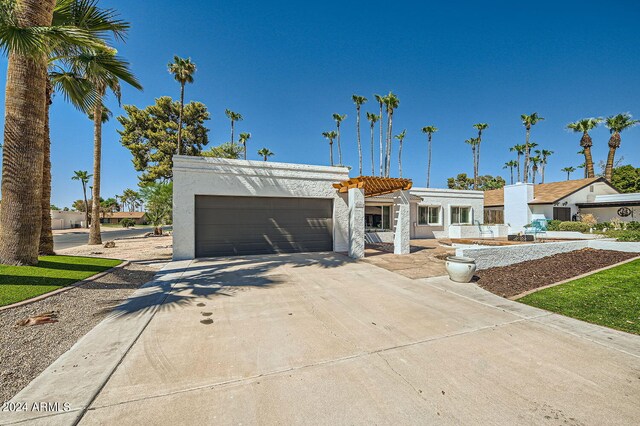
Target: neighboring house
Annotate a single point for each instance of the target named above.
(117, 217)
(521, 203)
(61, 219)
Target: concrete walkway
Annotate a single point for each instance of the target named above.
(322, 339)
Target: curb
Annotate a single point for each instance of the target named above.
(586, 274)
(66, 288)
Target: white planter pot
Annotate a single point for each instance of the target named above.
(460, 269)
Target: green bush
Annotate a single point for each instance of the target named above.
(633, 226)
(629, 235)
(127, 222)
(574, 226)
(553, 225)
(602, 226)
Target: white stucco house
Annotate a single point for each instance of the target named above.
(62, 219)
(236, 207)
(523, 202)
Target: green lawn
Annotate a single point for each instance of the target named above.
(24, 282)
(610, 298)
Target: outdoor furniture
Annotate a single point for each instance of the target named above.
(485, 231)
(537, 227)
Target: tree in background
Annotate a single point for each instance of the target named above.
(228, 150)
(359, 100)
(429, 131)
(130, 199)
(485, 183)
(158, 197)
(183, 71)
(519, 150)
(83, 176)
(338, 119)
(233, 117)
(616, 124)
(626, 178)
(510, 165)
(400, 138)
(535, 160)
(584, 126)
(372, 124)
(543, 155)
(150, 135)
(265, 153)
(528, 121)
(391, 103)
(480, 127)
(244, 137)
(380, 100)
(473, 142)
(331, 137)
(461, 181)
(568, 171)
(110, 205)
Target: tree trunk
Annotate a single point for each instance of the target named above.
(86, 205)
(244, 147)
(359, 145)
(46, 234)
(475, 169)
(339, 147)
(373, 161)
(478, 157)
(511, 174)
(429, 161)
(542, 174)
(588, 158)
(94, 233)
(389, 147)
(180, 117)
(400, 160)
(22, 163)
(519, 178)
(526, 157)
(331, 152)
(608, 171)
(381, 147)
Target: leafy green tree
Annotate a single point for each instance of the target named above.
(584, 126)
(244, 137)
(183, 71)
(151, 135)
(485, 183)
(528, 121)
(109, 205)
(83, 176)
(568, 171)
(265, 153)
(331, 137)
(429, 130)
(158, 199)
(54, 207)
(359, 100)
(461, 181)
(626, 178)
(229, 150)
(616, 124)
(233, 117)
(338, 119)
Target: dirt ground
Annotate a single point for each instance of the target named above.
(426, 259)
(134, 249)
(507, 281)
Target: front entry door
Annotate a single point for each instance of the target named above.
(562, 213)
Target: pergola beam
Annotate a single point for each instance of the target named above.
(374, 185)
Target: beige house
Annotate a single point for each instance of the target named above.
(117, 217)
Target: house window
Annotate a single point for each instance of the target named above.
(377, 218)
(428, 215)
(460, 215)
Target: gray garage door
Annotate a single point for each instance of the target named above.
(227, 226)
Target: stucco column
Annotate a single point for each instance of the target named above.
(517, 212)
(401, 244)
(356, 223)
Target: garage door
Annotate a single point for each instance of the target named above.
(227, 226)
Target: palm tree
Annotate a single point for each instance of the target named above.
(331, 136)
(429, 130)
(568, 170)
(372, 123)
(29, 35)
(527, 122)
(83, 176)
(480, 127)
(473, 142)
(233, 116)
(400, 138)
(244, 137)
(519, 150)
(380, 100)
(616, 124)
(543, 155)
(182, 70)
(535, 160)
(265, 153)
(338, 118)
(391, 102)
(584, 126)
(359, 100)
(510, 165)
(529, 147)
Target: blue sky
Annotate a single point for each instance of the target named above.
(287, 66)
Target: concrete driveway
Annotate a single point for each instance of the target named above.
(320, 339)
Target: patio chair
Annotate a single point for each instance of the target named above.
(537, 227)
(485, 231)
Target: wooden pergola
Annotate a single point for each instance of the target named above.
(374, 185)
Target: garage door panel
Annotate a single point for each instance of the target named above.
(262, 225)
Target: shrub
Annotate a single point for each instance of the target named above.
(602, 226)
(127, 222)
(589, 219)
(633, 226)
(629, 236)
(574, 226)
(553, 225)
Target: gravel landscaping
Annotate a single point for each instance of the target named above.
(507, 281)
(26, 351)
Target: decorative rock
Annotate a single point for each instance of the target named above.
(110, 244)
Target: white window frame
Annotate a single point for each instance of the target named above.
(461, 207)
(438, 223)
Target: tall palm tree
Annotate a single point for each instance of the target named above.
(83, 176)
(339, 118)
(429, 130)
(28, 36)
(233, 116)
(183, 71)
(380, 100)
(568, 170)
(244, 137)
(480, 127)
(473, 142)
(519, 150)
(400, 138)
(584, 126)
(583, 165)
(359, 100)
(528, 121)
(373, 118)
(510, 165)
(330, 136)
(535, 160)
(391, 102)
(265, 153)
(543, 155)
(616, 124)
